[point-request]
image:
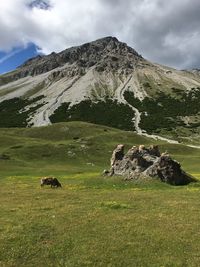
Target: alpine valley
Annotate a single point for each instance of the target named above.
(120, 134)
(103, 82)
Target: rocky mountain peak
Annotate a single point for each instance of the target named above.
(105, 54)
(87, 54)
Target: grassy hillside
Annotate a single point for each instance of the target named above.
(91, 221)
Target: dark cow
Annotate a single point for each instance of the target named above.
(52, 181)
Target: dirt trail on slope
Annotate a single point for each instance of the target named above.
(137, 119)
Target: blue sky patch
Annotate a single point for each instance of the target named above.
(16, 57)
(41, 4)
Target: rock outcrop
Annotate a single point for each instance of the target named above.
(141, 162)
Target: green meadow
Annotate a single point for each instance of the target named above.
(92, 220)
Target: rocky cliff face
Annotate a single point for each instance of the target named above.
(141, 162)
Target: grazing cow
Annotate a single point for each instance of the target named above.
(52, 181)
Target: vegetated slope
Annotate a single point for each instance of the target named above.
(72, 226)
(74, 146)
(103, 82)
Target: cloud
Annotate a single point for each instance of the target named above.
(166, 32)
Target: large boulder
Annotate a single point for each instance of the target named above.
(140, 162)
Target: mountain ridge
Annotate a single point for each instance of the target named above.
(104, 82)
(86, 56)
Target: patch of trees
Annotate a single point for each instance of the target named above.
(108, 112)
(164, 111)
(13, 113)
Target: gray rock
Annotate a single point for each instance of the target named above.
(140, 162)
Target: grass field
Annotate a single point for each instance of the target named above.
(91, 220)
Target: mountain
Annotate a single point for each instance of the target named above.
(103, 82)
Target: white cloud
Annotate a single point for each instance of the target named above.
(164, 31)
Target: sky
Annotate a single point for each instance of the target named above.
(166, 32)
